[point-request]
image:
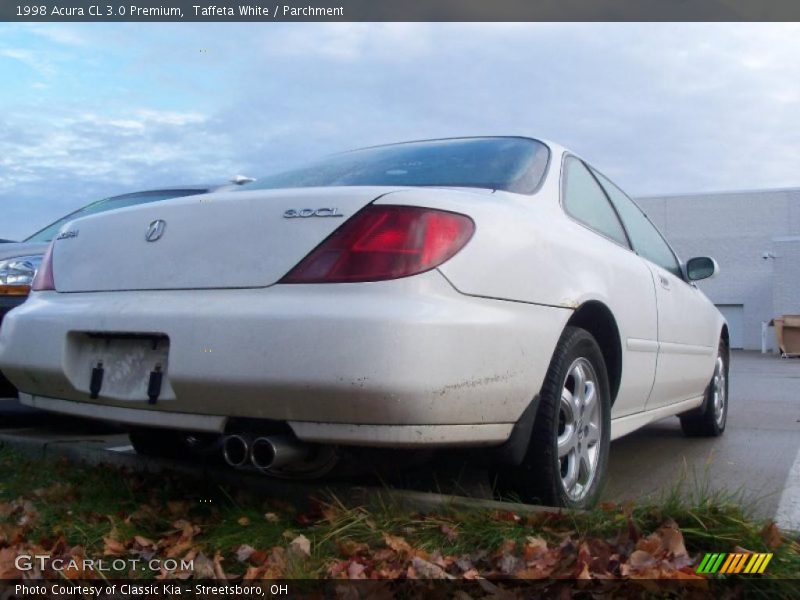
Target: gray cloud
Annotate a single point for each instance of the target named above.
(661, 108)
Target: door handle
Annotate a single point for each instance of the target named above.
(664, 282)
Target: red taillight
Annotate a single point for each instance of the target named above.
(43, 280)
(385, 242)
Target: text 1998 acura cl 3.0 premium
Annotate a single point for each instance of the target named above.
(493, 292)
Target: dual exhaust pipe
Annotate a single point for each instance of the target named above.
(264, 453)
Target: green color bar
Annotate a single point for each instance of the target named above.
(702, 567)
(717, 564)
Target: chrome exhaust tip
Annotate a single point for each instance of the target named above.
(275, 452)
(236, 450)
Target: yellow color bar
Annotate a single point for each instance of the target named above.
(767, 558)
(755, 559)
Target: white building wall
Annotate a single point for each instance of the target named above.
(737, 228)
(786, 270)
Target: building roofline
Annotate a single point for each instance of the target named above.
(720, 193)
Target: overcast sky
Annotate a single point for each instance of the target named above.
(90, 110)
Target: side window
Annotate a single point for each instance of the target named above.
(585, 200)
(646, 239)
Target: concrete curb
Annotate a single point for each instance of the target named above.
(93, 452)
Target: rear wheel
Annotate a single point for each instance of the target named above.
(709, 420)
(168, 443)
(567, 456)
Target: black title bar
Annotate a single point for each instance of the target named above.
(398, 10)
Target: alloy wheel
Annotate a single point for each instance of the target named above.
(719, 391)
(579, 429)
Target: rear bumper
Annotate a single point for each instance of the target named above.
(407, 362)
(393, 436)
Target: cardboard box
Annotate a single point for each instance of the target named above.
(787, 330)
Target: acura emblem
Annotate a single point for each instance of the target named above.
(155, 230)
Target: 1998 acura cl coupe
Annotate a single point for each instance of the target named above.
(493, 291)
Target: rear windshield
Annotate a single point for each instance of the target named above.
(49, 232)
(498, 163)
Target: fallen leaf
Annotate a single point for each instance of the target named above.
(244, 552)
(651, 544)
(8, 569)
(465, 564)
(356, 571)
(427, 570)
(300, 546)
(178, 508)
(640, 559)
(113, 547)
(387, 572)
(145, 515)
(349, 548)
(772, 536)
(219, 573)
(203, 567)
(584, 572)
(508, 564)
(679, 574)
(442, 561)
(397, 544)
(243, 521)
(672, 541)
(276, 563)
(337, 569)
(179, 549)
(252, 573)
(383, 554)
(507, 547)
(451, 533)
(143, 542)
(534, 546)
(506, 515)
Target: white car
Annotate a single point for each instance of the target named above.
(491, 292)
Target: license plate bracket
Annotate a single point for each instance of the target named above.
(120, 366)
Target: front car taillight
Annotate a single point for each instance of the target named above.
(43, 281)
(385, 242)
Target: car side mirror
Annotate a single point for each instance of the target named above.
(701, 267)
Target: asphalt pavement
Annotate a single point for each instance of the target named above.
(756, 459)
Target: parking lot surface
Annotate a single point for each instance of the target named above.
(758, 458)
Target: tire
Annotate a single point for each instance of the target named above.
(574, 479)
(7, 389)
(710, 419)
(168, 443)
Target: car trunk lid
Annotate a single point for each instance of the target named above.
(224, 240)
